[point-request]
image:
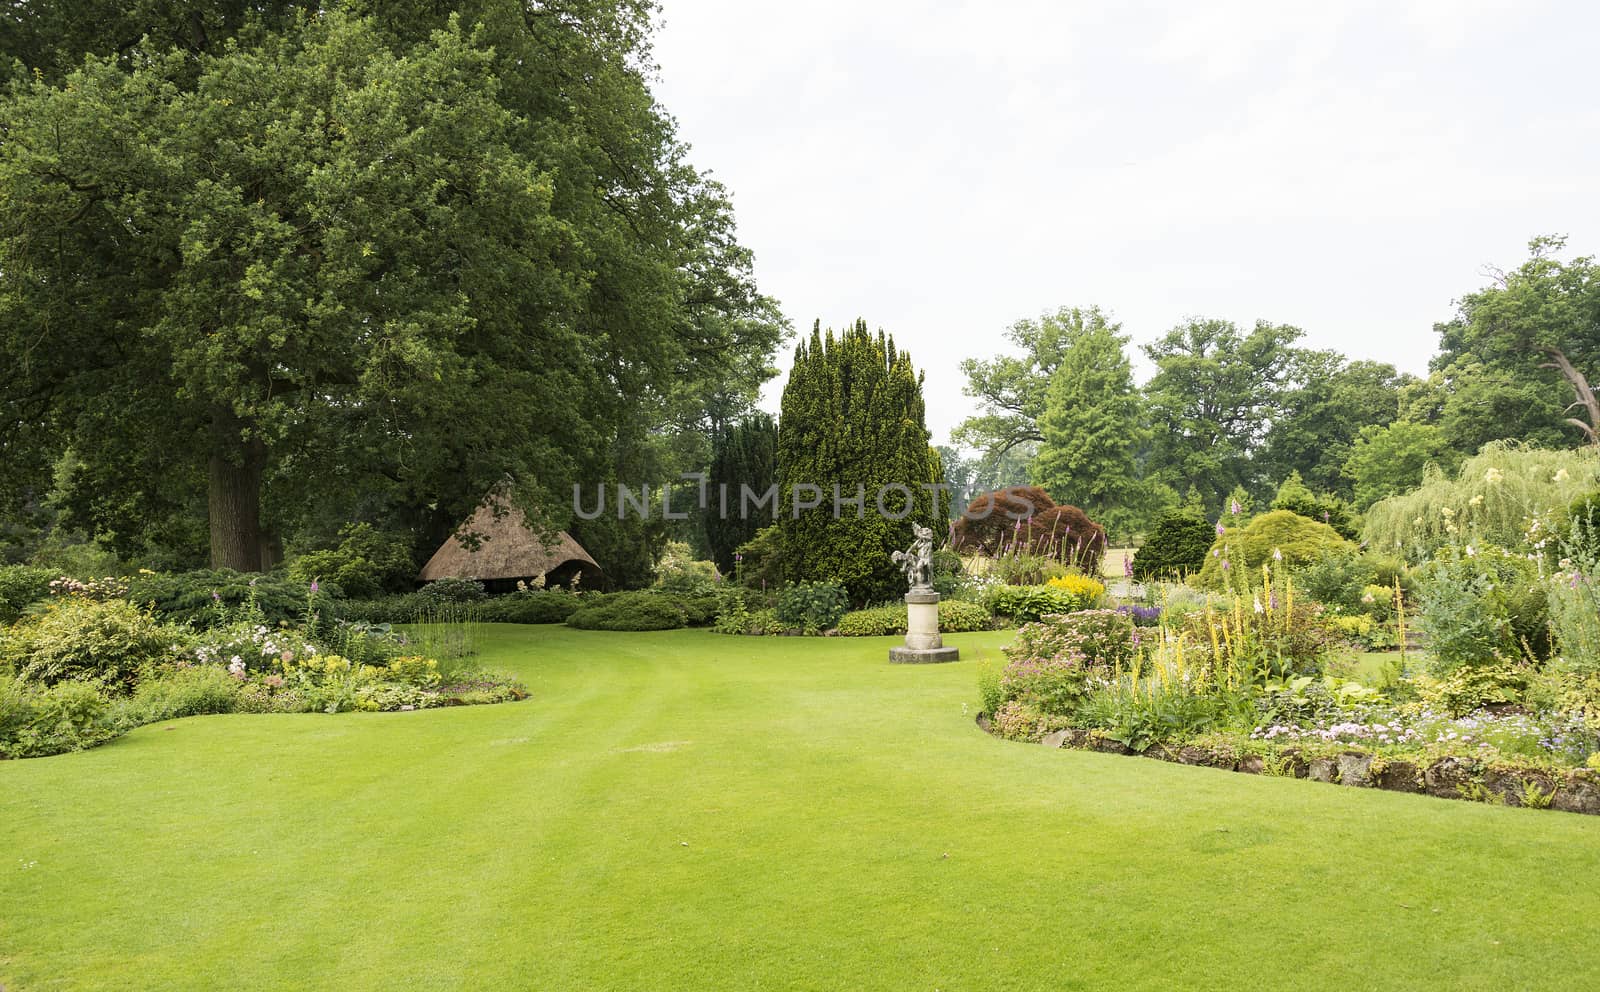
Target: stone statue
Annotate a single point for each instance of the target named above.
(917, 560)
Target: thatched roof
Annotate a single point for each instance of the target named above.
(507, 548)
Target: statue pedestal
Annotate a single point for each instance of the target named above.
(923, 643)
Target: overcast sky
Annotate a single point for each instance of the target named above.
(943, 169)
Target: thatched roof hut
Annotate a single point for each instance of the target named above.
(506, 550)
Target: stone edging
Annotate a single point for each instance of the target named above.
(1576, 791)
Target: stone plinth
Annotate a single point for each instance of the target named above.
(923, 643)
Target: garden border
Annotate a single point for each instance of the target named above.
(1450, 777)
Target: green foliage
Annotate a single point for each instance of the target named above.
(1388, 459)
(745, 454)
(853, 417)
(1345, 578)
(21, 586)
(346, 246)
(677, 571)
(207, 597)
(1469, 688)
(1176, 547)
(533, 606)
(365, 564)
(1091, 430)
(1213, 391)
(758, 563)
(1279, 535)
(1294, 496)
(37, 720)
(1104, 638)
(629, 611)
(955, 617)
(1026, 604)
(1484, 608)
(1012, 392)
(452, 591)
(1321, 413)
(77, 638)
(1533, 330)
(811, 607)
(1494, 499)
(188, 691)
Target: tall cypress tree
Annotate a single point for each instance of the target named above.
(744, 454)
(853, 417)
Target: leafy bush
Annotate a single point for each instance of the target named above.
(207, 597)
(452, 591)
(245, 646)
(542, 606)
(630, 611)
(1470, 688)
(366, 563)
(1238, 553)
(811, 607)
(76, 638)
(1177, 547)
(38, 720)
(1344, 578)
(678, 571)
(1478, 606)
(1025, 604)
(20, 586)
(1104, 638)
(186, 691)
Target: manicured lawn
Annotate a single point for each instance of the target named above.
(688, 811)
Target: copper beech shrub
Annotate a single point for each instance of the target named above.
(1063, 532)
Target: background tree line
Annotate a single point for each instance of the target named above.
(1231, 410)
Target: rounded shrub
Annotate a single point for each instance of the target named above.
(629, 611)
(1025, 518)
(21, 586)
(1176, 547)
(955, 617)
(1280, 535)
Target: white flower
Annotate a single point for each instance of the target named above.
(1257, 601)
(1560, 476)
(1277, 555)
(1492, 476)
(1471, 551)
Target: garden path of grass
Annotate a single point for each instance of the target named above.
(687, 811)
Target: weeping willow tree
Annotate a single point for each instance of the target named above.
(1507, 494)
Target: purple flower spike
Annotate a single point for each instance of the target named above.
(313, 585)
(1236, 507)
(216, 597)
(1220, 528)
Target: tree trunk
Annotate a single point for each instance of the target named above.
(1580, 388)
(234, 507)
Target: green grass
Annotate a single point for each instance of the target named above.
(686, 811)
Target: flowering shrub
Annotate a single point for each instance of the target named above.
(248, 648)
(1019, 721)
(1478, 605)
(97, 590)
(1086, 589)
(1052, 684)
(1142, 616)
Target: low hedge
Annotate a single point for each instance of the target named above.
(955, 617)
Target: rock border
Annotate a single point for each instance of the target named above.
(1450, 777)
